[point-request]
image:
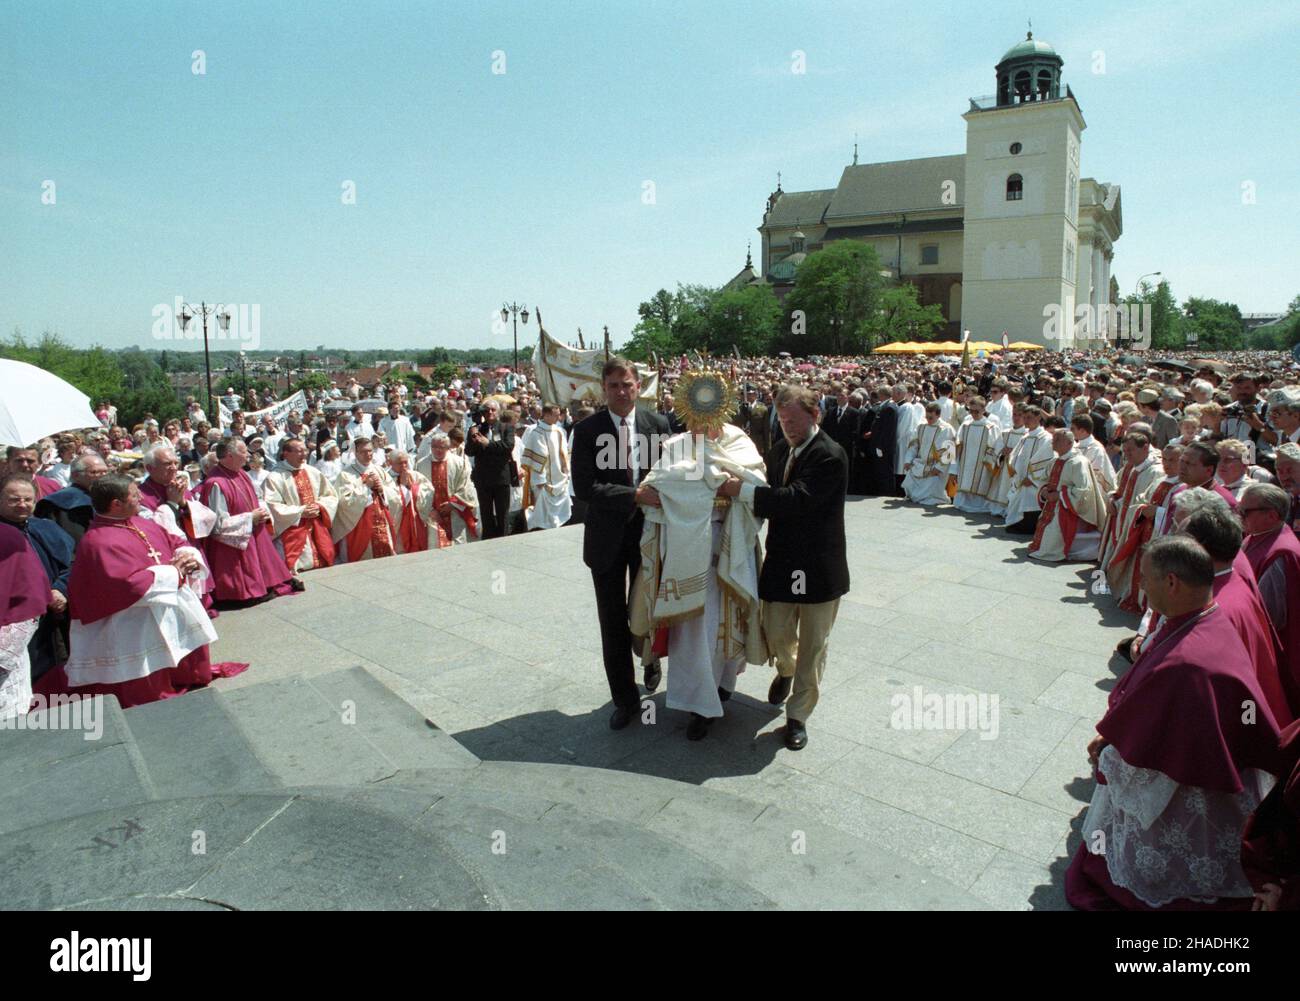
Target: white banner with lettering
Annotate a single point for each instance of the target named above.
(278, 411)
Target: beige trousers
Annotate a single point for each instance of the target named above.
(798, 636)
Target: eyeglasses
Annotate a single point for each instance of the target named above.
(1243, 511)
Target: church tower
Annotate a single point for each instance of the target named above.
(1020, 237)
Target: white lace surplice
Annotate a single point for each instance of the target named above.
(1165, 841)
(15, 668)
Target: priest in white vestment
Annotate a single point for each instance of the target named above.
(303, 504)
(1074, 507)
(545, 470)
(1004, 478)
(910, 416)
(1028, 468)
(364, 528)
(414, 511)
(972, 472)
(700, 559)
(454, 516)
(928, 458)
(1095, 452)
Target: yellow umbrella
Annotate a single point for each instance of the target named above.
(1024, 346)
(898, 347)
(945, 347)
(985, 346)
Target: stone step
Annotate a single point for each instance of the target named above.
(192, 746)
(52, 774)
(341, 728)
(773, 854)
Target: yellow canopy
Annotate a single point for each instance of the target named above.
(1025, 346)
(944, 347)
(985, 346)
(897, 348)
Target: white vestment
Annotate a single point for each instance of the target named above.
(1001, 411)
(1029, 466)
(1101, 464)
(546, 465)
(978, 444)
(354, 497)
(908, 419)
(1081, 495)
(929, 456)
(280, 495)
(699, 568)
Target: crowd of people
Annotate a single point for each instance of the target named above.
(1176, 483)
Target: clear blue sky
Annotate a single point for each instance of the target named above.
(473, 187)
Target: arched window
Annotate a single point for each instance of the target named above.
(1044, 84)
(1015, 188)
(1023, 86)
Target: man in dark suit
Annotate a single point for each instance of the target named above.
(491, 444)
(805, 570)
(612, 452)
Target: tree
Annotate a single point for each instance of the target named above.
(747, 319)
(311, 381)
(1166, 327)
(836, 295)
(673, 323)
(1218, 326)
(902, 318)
(1293, 306)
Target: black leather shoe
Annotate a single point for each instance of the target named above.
(780, 690)
(723, 694)
(698, 727)
(796, 737)
(653, 675)
(621, 718)
(297, 584)
(1125, 648)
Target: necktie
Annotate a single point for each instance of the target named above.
(625, 446)
(789, 465)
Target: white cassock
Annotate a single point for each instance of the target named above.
(282, 499)
(947, 409)
(929, 456)
(460, 493)
(545, 468)
(1001, 411)
(1081, 505)
(415, 502)
(354, 498)
(400, 433)
(1100, 461)
(1002, 480)
(978, 444)
(699, 568)
(1031, 461)
(908, 420)
(517, 493)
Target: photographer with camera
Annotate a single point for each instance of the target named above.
(1246, 418)
(491, 444)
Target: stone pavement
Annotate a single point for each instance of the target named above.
(497, 643)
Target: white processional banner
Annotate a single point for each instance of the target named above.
(278, 411)
(564, 374)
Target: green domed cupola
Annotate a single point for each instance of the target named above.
(1030, 71)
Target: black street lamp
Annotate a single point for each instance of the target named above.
(203, 310)
(517, 311)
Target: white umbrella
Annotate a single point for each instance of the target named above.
(34, 403)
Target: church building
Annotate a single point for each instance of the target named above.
(1007, 236)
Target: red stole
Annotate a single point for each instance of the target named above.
(415, 533)
(375, 530)
(1054, 508)
(442, 495)
(294, 539)
(1139, 535)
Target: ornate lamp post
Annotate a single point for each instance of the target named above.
(203, 310)
(517, 311)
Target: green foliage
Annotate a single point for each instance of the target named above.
(836, 294)
(313, 381)
(902, 318)
(748, 319)
(1218, 325)
(1167, 332)
(672, 323)
(444, 372)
